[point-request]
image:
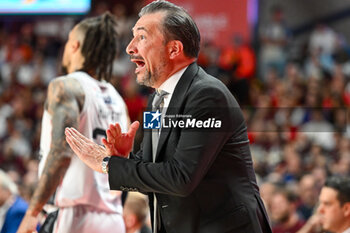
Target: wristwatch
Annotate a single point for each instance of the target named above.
(105, 164)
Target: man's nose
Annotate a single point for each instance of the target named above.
(131, 48)
(320, 209)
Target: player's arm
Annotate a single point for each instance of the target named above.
(63, 102)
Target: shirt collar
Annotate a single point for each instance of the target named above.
(170, 84)
(347, 230)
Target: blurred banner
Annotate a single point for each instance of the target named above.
(44, 6)
(220, 20)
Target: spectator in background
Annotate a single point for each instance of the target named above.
(208, 58)
(30, 180)
(267, 190)
(124, 24)
(135, 103)
(335, 205)
(334, 208)
(12, 207)
(274, 38)
(283, 212)
(134, 100)
(293, 164)
(239, 63)
(308, 196)
(319, 130)
(313, 225)
(323, 40)
(135, 213)
(322, 45)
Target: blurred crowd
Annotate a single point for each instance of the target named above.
(295, 104)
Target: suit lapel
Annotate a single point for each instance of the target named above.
(147, 136)
(177, 100)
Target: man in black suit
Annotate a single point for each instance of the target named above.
(199, 176)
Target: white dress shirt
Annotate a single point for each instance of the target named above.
(169, 86)
(347, 230)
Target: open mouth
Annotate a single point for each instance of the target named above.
(140, 64)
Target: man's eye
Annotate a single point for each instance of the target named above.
(142, 37)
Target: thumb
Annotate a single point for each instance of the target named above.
(109, 148)
(106, 144)
(133, 128)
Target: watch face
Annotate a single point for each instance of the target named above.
(105, 164)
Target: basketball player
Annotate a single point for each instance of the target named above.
(81, 99)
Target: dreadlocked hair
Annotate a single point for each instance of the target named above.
(99, 45)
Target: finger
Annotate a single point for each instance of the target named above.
(109, 148)
(133, 128)
(119, 130)
(110, 137)
(106, 144)
(78, 135)
(75, 147)
(78, 142)
(74, 136)
(81, 139)
(113, 130)
(71, 142)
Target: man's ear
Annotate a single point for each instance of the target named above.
(175, 48)
(75, 46)
(346, 209)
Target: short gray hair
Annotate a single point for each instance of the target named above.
(7, 183)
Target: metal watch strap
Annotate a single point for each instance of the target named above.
(105, 164)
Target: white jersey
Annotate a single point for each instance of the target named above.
(81, 185)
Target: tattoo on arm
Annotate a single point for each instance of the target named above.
(63, 106)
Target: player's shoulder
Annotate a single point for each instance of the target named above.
(65, 85)
(73, 77)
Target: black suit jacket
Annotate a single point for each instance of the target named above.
(203, 178)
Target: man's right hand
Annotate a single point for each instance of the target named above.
(118, 143)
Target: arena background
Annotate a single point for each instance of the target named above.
(287, 63)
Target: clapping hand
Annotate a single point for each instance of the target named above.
(118, 143)
(92, 154)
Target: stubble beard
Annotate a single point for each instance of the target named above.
(148, 79)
